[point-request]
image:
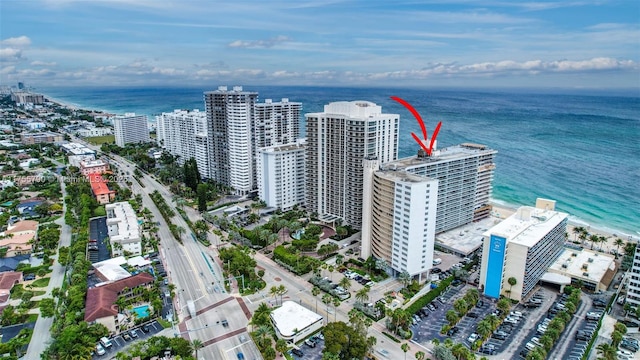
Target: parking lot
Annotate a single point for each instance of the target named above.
(119, 343)
(310, 353)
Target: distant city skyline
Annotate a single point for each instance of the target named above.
(550, 44)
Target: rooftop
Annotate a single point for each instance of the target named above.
(92, 163)
(447, 154)
(291, 317)
(359, 109)
(466, 239)
(527, 225)
(9, 278)
(100, 300)
(576, 263)
(123, 215)
(99, 185)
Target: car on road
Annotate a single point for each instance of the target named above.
(240, 356)
(100, 350)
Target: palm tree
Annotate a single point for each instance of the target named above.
(484, 328)
(197, 345)
(594, 239)
(504, 305)
(577, 231)
(405, 347)
(336, 303)
(315, 291)
(273, 291)
(281, 291)
(608, 351)
(331, 268)
(327, 299)
(618, 242)
(281, 346)
(345, 283)
(583, 235)
(404, 278)
(452, 317)
(420, 355)
(512, 281)
(460, 306)
(362, 295)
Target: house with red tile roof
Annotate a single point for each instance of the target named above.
(100, 189)
(101, 301)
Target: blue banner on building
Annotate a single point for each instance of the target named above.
(495, 266)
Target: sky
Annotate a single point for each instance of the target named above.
(590, 44)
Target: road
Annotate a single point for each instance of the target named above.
(41, 330)
(198, 277)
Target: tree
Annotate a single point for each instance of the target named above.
(452, 317)
(191, 174)
(336, 303)
(608, 351)
(405, 347)
(281, 291)
(345, 283)
(315, 291)
(281, 346)
(618, 242)
(420, 355)
(512, 281)
(201, 193)
(362, 295)
(344, 341)
(504, 305)
(327, 299)
(460, 306)
(197, 345)
(484, 329)
(47, 307)
(273, 291)
(594, 239)
(404, 278)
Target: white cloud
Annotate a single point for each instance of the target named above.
(42, 63)
(17, 42)
(10, 54)
(259, 44)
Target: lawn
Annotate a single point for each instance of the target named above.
(99, 140)
(40, 283)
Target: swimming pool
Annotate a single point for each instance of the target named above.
(142, 311)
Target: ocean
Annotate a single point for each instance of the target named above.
(580, 149)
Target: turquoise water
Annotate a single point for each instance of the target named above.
(142, 311)
(578, 148)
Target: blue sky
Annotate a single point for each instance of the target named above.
(549, 44)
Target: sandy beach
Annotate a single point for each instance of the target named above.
(502, 212)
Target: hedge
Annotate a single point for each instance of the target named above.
(430, 296)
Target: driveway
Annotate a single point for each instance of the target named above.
(119, 344)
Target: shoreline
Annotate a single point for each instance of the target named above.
(601, 229)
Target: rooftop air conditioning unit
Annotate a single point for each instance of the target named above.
(585, 274)
(564, 266)
(574, 254)
(590, 260)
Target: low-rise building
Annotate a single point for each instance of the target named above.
(41, 138)
(94, 131)
(100, 189)
(7, 281)
(94, 167)
(101, 305)
(124, 229)
(77, 149)
(17, 238)
(75, 160)
(593, 269)
(294, 322)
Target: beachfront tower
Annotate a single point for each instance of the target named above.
(338, 140)
(130, 129)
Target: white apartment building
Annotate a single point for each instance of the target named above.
(523, 246)
(130, 128)
(398, 220)
(94, 131)
(633, 294)
(230, 125)
(75, 160)
(281, 175)
(465, 175)
(123, 229)
(277, 123)
(338, 140)
(183, 133)
(98, 166)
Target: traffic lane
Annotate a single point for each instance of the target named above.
(229, 348)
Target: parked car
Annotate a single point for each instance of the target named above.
(454, 330)
(133, 333)
(593, 316)
(297, 352)
(472, 315)
(29, 277)
(310, 343)
(105, 342)
(500, 335)
(145, 328)
(240, 356)
(473, 337)
(126, 336)
(100, 350)
(479, 304)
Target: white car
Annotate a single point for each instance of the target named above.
(100, 350)
(516, 314)
(625, 355)
(473, 337)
